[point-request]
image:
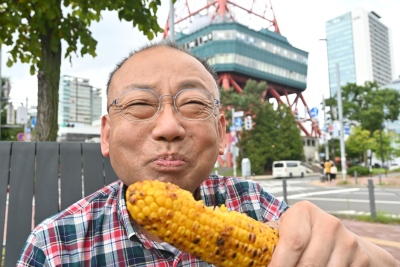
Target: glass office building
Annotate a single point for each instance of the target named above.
(359, 50)
(80, 103)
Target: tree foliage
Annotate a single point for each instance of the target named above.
(259, 144)
(368, 105)
(249, 100)
(291, 142)
(382, 146)
(34, 29)
(358, 143)
(275, 135)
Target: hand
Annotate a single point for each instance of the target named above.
(308, 236)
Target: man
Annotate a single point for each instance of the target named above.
(164, 123)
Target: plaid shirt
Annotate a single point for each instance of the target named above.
(97, 230)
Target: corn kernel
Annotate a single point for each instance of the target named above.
(215, 235)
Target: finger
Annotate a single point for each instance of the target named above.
(323, 240)
(294, 236)
(349, 252)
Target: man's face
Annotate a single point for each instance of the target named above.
(167, 147)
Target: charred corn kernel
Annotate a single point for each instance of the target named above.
(214, 235)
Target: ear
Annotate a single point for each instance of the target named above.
(222, 133)
(105, 135)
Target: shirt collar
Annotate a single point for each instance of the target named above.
(123, 213)
(131, 231)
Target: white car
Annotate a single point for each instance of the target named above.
(288, 168)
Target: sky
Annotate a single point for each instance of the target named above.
(301, 22)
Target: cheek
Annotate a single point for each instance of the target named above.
(124, 138)
(209, 135)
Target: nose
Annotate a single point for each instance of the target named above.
(168, 123)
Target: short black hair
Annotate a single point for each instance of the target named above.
(166, 43)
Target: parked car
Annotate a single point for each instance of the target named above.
(376, 165)
(288, 168)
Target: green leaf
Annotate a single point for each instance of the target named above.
(32, 70)
(9, 63)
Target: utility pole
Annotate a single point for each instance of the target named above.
(233, 145)
(326, 125)
(331, 110)
(339, 100)
(171, 21)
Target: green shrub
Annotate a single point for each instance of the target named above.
(359, 169)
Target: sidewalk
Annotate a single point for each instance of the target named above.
(384, 235)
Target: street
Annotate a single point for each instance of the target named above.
(335, 198)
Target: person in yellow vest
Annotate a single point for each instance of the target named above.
(328, 165)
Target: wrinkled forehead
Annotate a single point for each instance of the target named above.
(164, 70)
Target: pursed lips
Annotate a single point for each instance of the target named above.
(170, 160)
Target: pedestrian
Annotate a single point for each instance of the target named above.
(333, 171)
(327, 166)
(164, 123)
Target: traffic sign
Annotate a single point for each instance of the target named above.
(20, 136)
(33, 122)
(28, 137)
(22, 115)
(314, 112)
(238, 114)
(238, 122)
(346, 129)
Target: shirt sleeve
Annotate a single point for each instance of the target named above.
(245, 196)
(31, 255)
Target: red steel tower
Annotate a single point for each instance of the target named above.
(242, 40)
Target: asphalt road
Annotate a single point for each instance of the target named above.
(334, 198)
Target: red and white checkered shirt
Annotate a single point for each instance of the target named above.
(97, 230)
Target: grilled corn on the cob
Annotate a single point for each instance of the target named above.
(212, 234)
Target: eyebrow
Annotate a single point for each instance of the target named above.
(137, 85)
(186, 84)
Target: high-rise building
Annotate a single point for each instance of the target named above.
(80, 103)
(359, 49)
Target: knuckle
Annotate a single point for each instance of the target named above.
(335, 223)
(308, 262)
(351, 243)
(295, 242)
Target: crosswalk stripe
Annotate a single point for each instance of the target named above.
(347, 200)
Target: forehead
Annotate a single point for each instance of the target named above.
(163, 69)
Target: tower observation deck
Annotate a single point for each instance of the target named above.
(240, 45)
(242, 52)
